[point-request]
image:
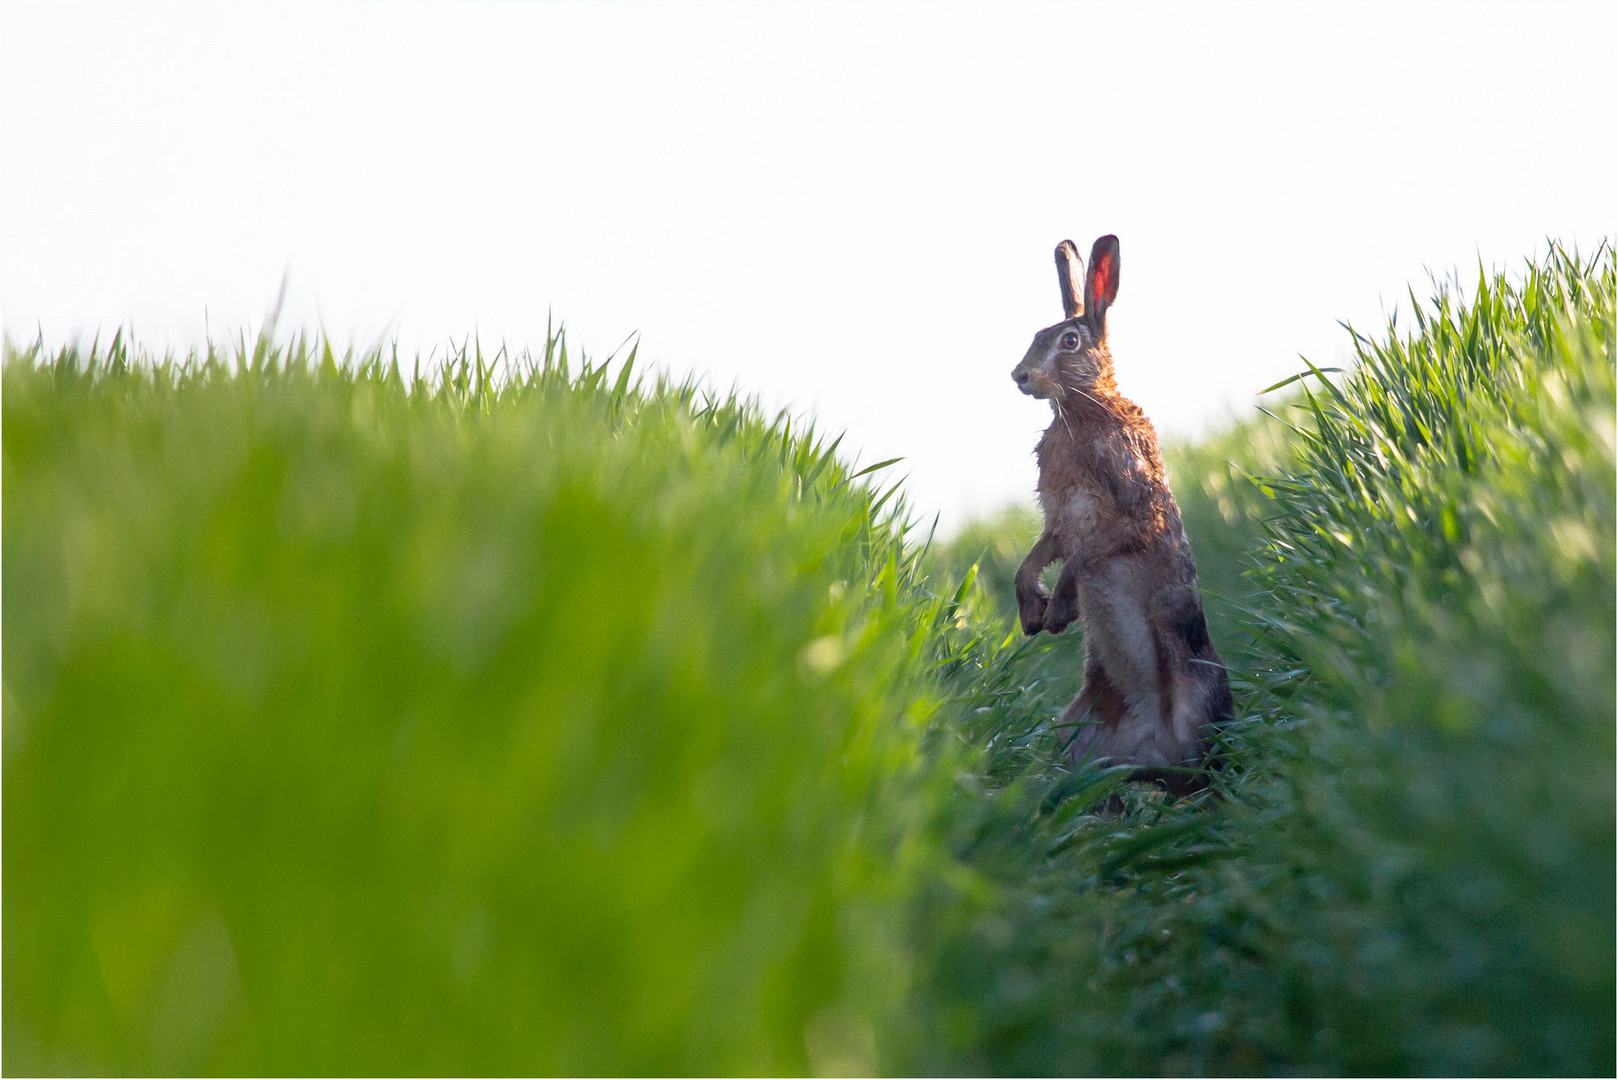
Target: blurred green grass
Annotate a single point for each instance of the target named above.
(536, 717)
(494, 723)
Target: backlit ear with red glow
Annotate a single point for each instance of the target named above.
(1101, 286)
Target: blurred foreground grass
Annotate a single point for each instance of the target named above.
(531, 718)
(498, 723)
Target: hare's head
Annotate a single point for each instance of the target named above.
(1071, 357)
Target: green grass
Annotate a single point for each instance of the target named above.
(1443, 568)
(533, 717)
(492, 723)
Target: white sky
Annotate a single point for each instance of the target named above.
(846, 209)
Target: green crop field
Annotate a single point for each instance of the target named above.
(535, 716)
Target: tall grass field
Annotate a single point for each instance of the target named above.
(535, 715)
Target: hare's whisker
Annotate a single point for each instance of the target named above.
(1057, 406)
(1092, 397)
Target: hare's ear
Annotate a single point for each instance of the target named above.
(1102, 285)
(1069, 272)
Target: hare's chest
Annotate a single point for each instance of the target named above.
(1074, 510)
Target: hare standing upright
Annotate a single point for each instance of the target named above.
(1152, 681)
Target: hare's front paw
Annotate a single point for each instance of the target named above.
(1031, 608)
(1060, 612)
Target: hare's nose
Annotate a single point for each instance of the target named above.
(1021, 376)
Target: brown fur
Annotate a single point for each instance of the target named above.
(1153, 682)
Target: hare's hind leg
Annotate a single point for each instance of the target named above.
(1090, 725)
(1093, 716)
(1218, 707)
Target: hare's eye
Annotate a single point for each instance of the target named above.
(1070, 340)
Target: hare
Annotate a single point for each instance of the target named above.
(1153, 683)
